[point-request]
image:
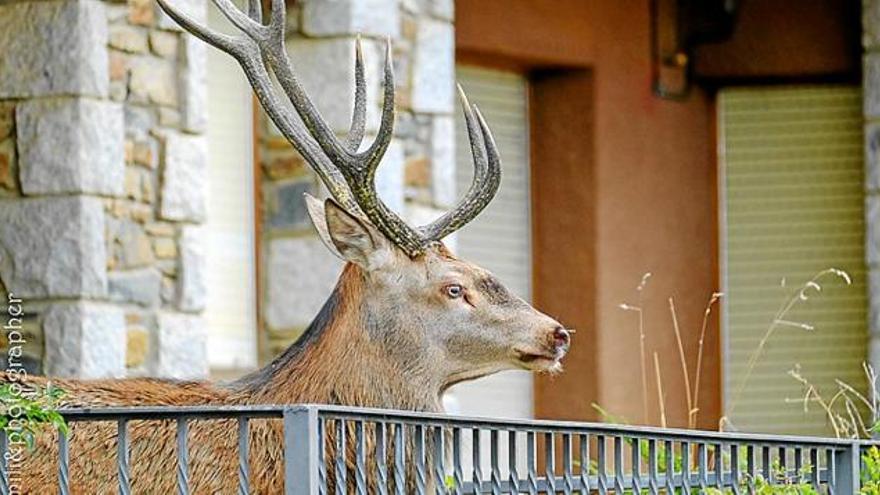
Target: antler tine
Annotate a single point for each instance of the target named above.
(487, 175)
(359, 115)
(229, 44)
(255, 10)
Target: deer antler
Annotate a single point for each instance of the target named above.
(348, 174)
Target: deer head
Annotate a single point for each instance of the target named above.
(414, 303)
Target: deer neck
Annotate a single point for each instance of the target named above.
(340, 359)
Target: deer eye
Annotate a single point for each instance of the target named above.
(453, 291)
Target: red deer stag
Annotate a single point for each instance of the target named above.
(406, 320)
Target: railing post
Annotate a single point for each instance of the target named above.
(847, 468)
(301, 450)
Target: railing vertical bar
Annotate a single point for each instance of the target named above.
(719, 465)
(669, 454)
(685, 468)
(584, 457)
(495, 476)
(702, 466)
(360, 459)
(244, 470)
(568, 480)
(512, 454)
(4, 463)
(439, 458)
(652, 467)
(601, 469)
(301, 440)
(122, 457)
(477, 474)
(381, 459)
(798, 465)
(399, 460)
(618, 464)
(766, 465)
(63, 464)
(341, 468)
(457, 470)
(182, 456)
(814, 468)
(751, 471)
(783, 466)
(550, 462)
(831, 465)
(321, 454)
(419, 440)
(532, 461)
(734, 469)
(848, 463)
(635, 451)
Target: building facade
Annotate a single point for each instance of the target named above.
(152, 221)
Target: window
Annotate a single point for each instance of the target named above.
(498, 239)
(792, 206)
(230, 315)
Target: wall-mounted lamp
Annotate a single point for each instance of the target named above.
(677, 26)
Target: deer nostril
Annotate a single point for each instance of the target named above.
(561, 337)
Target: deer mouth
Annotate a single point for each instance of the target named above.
(539, 361)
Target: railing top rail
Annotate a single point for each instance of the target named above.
(446, 420)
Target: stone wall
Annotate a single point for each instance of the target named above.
(102, 186)
(871, 88)
(417, 176)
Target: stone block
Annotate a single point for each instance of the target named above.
(443, 161)
(8, 165)
(163, 44)
(132, 248)
(89, 132)
(287, 208)
(191, 283)
(137, 347)
(53, 247)
(135, 286)
(870, 24)
(153, 80)
(874, 300)
(871, 84)
(128, 38)
(7, 118)
(443, 9)
(141, 12)
(301, 274)
(184, 178)
(872, 229)
(433, 72)
(872, 157)
(84, 340)
(325, 68)
(165, 248)
(194, 85)
(181, 347)
(389, 176)
(53, 48)
(351, 17)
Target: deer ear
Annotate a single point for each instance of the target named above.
(355, 239)
(315, 207)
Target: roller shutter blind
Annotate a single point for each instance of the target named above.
(792, 189)
(499, 239)
(230, 313)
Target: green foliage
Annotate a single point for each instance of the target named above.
(25, 411)
(871, 472)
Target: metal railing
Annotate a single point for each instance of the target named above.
(336, 450)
